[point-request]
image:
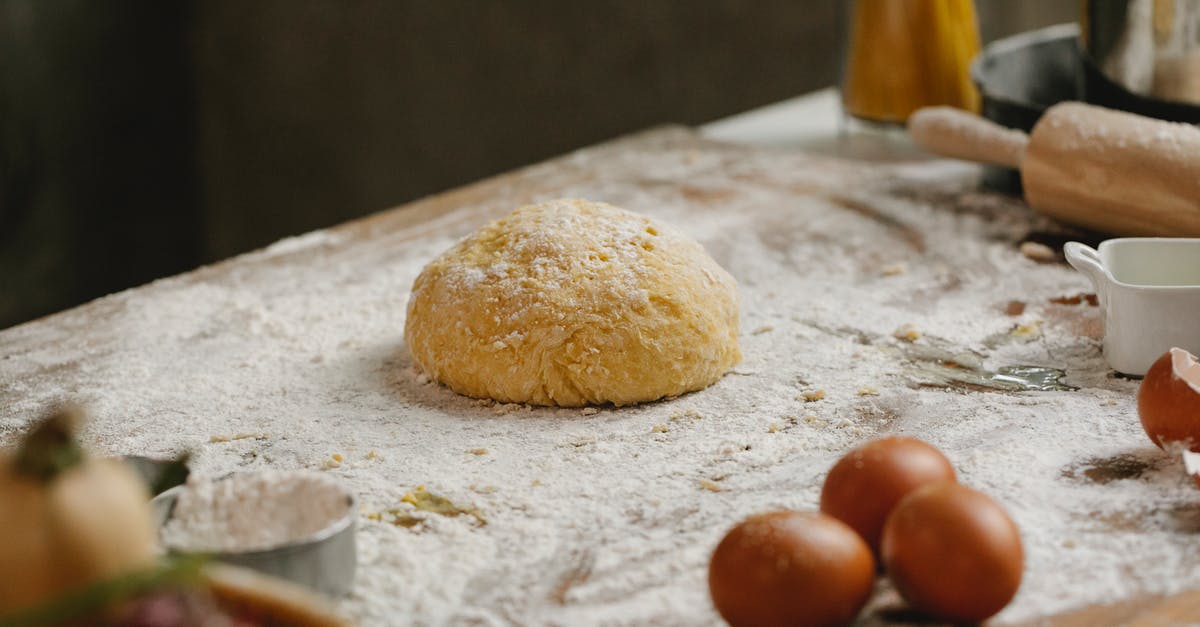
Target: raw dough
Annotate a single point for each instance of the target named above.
(570, 303)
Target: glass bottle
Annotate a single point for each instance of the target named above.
(907, 54)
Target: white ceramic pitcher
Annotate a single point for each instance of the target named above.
(1149, 291)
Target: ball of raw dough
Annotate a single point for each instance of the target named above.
(570, 303)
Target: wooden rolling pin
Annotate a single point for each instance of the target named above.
(1102, 169)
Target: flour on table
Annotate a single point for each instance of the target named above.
(599, 516)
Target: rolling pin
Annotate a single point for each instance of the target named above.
(1097, 168)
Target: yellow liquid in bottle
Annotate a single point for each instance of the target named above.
(908, 54)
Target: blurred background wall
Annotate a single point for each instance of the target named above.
(141, 138)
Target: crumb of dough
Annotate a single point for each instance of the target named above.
(711, 486)
(766, 328)
(216, 439)
(396, 517)
(1027, 332)
(813, 395)
(426, 501)
(1038, 252)
(503, 409)
(660, 428)
(687, 413)
(477, 451)
(894, 269)
(868, 390)
(907, 333)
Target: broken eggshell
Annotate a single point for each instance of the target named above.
(1191, 465)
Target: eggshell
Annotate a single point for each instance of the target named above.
(953, 553)
(863, 486)
(1169, 400)
(801, 569)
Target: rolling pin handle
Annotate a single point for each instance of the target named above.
(1085, 259)
(956, 133)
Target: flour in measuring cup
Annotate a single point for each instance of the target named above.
(253, 511)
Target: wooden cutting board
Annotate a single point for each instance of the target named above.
(1176, 610)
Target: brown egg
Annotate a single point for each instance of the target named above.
(790, 568)
(863, 487)
(1169, 400)
(953, 553)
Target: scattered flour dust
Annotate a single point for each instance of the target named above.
(253, 511)
(608, 516)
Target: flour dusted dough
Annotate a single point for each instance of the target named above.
(570, 303)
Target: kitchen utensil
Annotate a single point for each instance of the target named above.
(1102, 169)
(276, 602)
(1018, 78)
(159, 474)
(1149, 291)
(1143, 56)
(324, 561)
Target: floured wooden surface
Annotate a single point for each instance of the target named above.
(853, 278)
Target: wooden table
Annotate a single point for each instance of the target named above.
(292, 357)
